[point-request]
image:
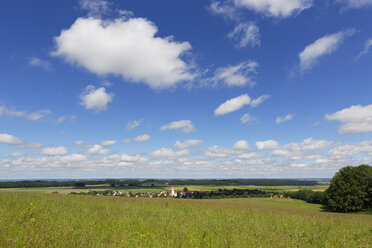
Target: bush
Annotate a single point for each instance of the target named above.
(351, 189)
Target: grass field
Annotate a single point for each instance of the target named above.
(264, 188)
(55, 220)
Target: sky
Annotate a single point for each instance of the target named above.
(184, 89)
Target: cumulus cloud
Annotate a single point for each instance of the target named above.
(241, 145)
(133, 158)
(127, 141)
(188, 143)
(185, 126)
(37, 62)
(310, 144)
(246, 118)
(96, 99)
(126, 47)
(167, 153)
(233, 104)
(95, 7)
(217, 152)
(97, 149)
(54, 151)
(272, 8)
(323, 46)
(142, 138)
(247, 34)
(15, 154)
(238, 75)
(133, 124)
(225, 9)
(10, 139)
(108, 142)
(355, 119)
(73, 158)
(33, 116)
(279, 119)
(267, 145)
(275, 8)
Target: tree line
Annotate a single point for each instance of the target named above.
(350, 190)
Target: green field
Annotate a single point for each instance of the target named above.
(264, 188)
(55, 220)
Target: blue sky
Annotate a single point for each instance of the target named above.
(186, 89)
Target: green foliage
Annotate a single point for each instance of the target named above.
(351, 189)
(308, 196)
(47, 220)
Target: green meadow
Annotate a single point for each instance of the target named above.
(56, 220)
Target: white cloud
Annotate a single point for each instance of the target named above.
(79, 143)
(97, 149)
(10, 139)
(54, 151)
(233, 104)
(15, 154)
(188, 143)
(127, 141)
(251, 155)
(126, 47)
(186, 126)
(133, 124)
(33, 116)
(247, 118)
(96, 99)
(108, 142)
(259, 100)
(310, 144)
(356, 4)
(238, 75)
(217, 152)
(133, 158)
(288, 117)
(95, 7)
(367, 45)
(37, 62)
(169, 153)
(66, 118)
(73, 158)
(241, 145)
(298, 165)
(246, 34)
(355, 119)
(224, 9)
(142, 138)
(275, 8)
(321, 47)
(267, 145)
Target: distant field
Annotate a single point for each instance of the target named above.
(66, 190)
(264, 188)
(55, 220)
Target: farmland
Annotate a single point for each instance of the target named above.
(56, 220)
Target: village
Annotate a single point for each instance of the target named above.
(185, 193)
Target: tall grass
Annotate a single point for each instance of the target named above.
(47, 220)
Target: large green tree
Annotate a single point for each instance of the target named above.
(351, 189)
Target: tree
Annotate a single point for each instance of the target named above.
(351, 189)
(79, 184)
